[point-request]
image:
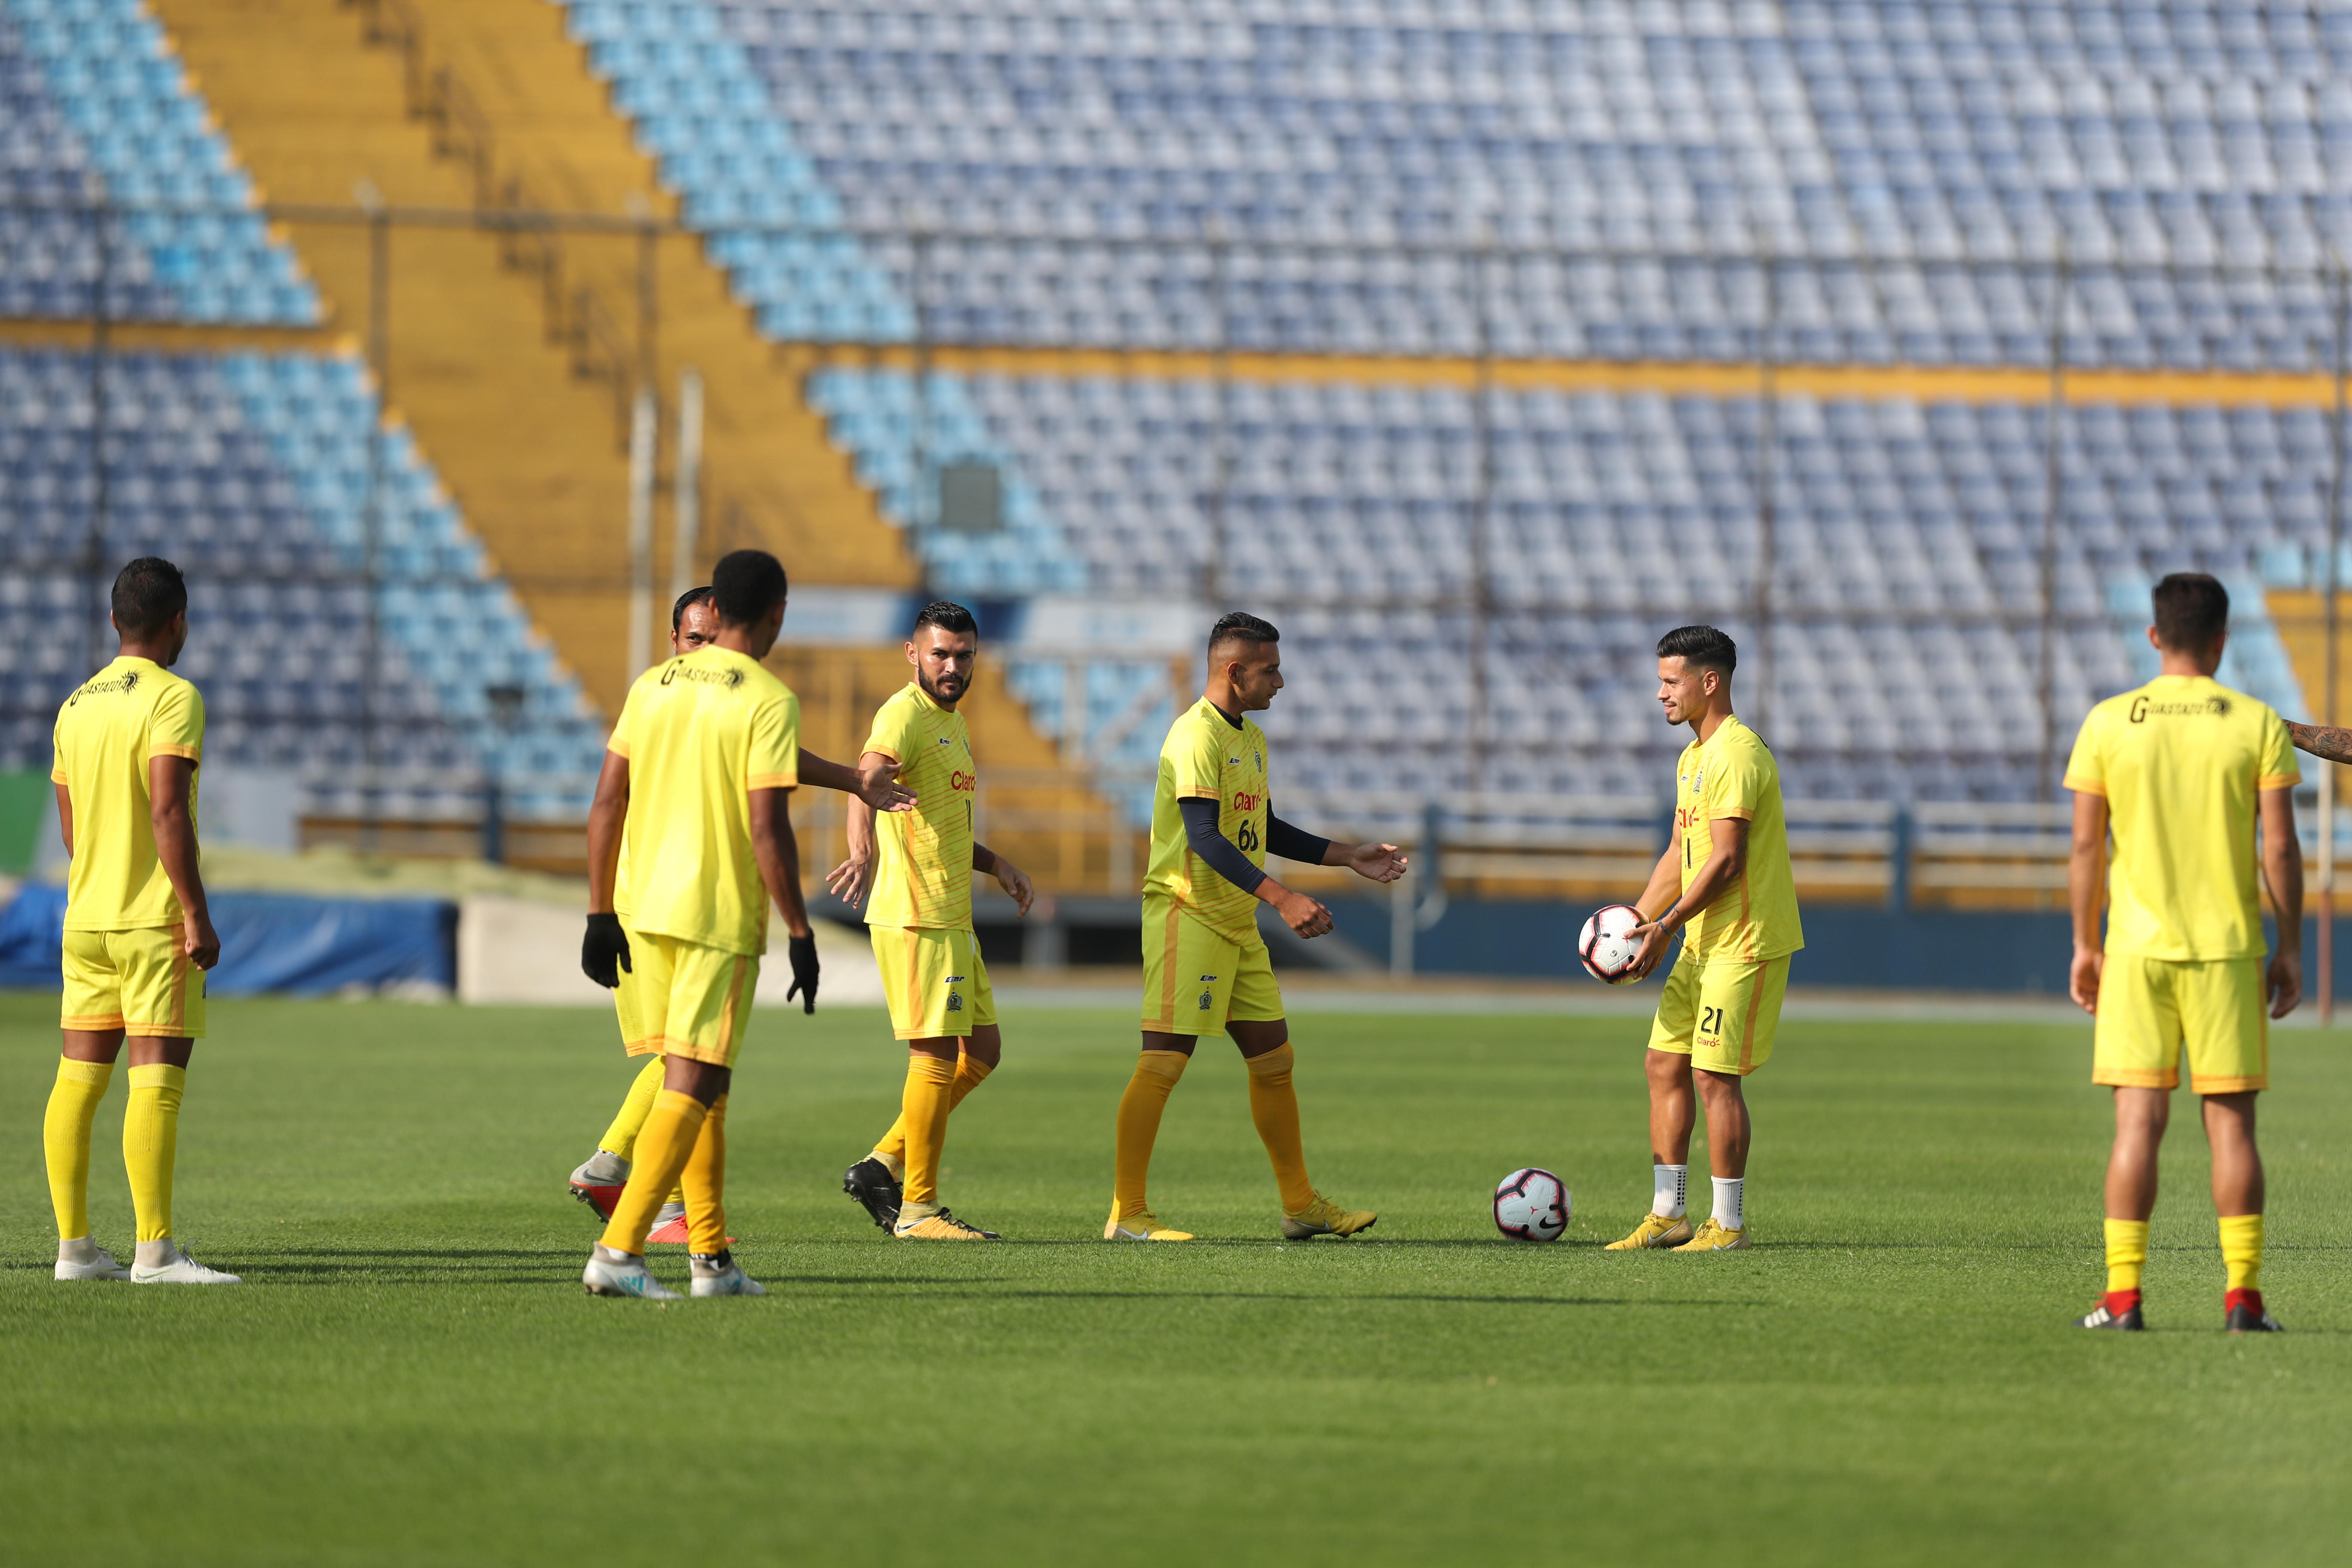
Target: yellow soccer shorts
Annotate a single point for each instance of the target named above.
(1722, 1014)
(681, 998)
(139, 981)
(934, 980)
(1195, 981)
(2150, 1007)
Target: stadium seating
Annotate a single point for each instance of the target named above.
(252, 472)
(94, 106)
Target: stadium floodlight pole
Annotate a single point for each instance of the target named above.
(2052, 483)
(922, 506)
(1221, 376)
(94, 623)
(2331, 609)
(686, 487)
(641, 535)
(379, 310)
(1767, 437)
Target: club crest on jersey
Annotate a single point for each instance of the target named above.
(955, 1002)
(1206, 997)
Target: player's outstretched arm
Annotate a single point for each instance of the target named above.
(2327, 742)
(1726, 860)
(1302, 914)
(2086, 890)
(1374, 862)
(778, 855)
(1009, 877)
(2282, 869)
(169, 782)
(874, 780)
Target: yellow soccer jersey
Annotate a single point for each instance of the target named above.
(2180, 761)
(701, 732)
(1207, 758)
(1733, 775)
(132, 710)
(922, 872)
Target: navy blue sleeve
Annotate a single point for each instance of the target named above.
(1293, 843)
(1223, 856)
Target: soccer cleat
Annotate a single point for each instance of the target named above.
(2244, 1314)
(1324, 1217)
(599, 1181)
(1144, 1226)
(1713, 1238)
(941, 1226)
(179, 1269)
(870, 1184)
(1655, 1230)
(2105, 1317)
(611, 1273)
(673, 1230)
(717, 1276)
(82, 1258)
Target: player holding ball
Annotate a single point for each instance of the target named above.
(1724, 882)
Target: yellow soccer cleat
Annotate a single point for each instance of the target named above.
(941, 1226)
(1324, 1217)
(1144, 1226)
(1713, 1238)
(1655, 1230)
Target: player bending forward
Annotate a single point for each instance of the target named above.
(2182, 770)
(598, 1180)
(687, 839)
(1724, 882)
(1206, 966)
(138, 933)
(920, 918)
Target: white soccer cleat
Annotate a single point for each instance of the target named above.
(175, 1267)
(611, 1273)
(719, 1276)
(82, 1258)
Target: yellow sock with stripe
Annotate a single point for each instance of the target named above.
(65, 1140)
(705, 1184)
(923, 1108)
(663, 1145)
(621, 1138)
(1274, 1107)
(2241, 1250)
(892, 1150)
(1139, 1109)
(150, 1144)
(2127, 1255)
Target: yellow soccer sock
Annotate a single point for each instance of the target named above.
(2241, 1250)
(621, 1138)
(1273, 1106)
(2126, 1253)
(923, 1110)
(65, 1140)
(664, 1145)
(1139, 1109)
(150, 1144)
(892, 1150)
(705, 1183)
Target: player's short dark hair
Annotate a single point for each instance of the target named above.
(745, 585)
(1701, 648)
(948, 615)
(1240, 626)
(685, 602)
(147, 593)
(2192, 610)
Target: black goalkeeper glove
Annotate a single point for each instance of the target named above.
(803, 949)
(605, 944)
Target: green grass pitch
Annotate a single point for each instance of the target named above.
(413, 1375)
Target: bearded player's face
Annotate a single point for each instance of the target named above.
(943, 663)
(1684, 688)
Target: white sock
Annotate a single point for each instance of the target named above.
(161, 1253)
(1731, 1202)
(77, 1249)
(1669, 1190)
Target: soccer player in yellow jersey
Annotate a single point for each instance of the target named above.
(1206, 966)
(598, 1180)
(919, 870)
(2182, 772)
(688, 838)
(1724, 882)
(139, 933)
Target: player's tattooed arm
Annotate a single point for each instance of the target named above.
(1009, 877)
(873, 781)
(2329, 743)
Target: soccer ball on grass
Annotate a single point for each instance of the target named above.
(1532, 1206)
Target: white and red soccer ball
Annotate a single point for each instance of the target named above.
(1607, 944)
(1532, 1204)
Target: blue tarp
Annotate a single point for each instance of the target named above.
(269, 942)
